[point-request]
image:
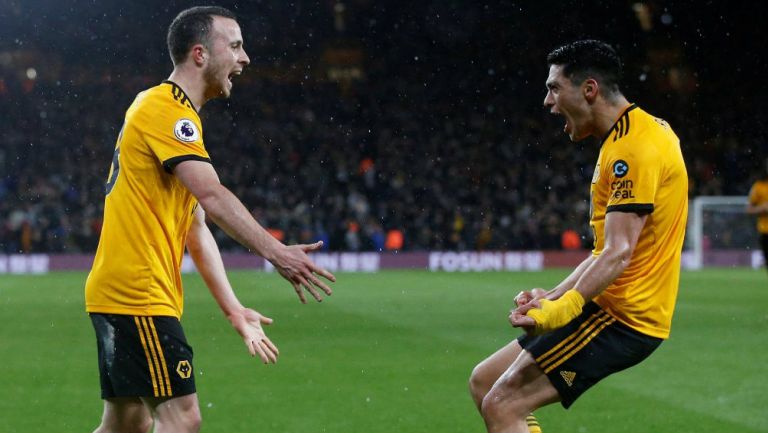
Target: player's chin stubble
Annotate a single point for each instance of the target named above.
(214, 83)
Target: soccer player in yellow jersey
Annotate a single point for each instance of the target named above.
(159, 189)
(616, 307)
(758, 205)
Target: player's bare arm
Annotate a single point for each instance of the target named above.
(247, 322)
(622, 230)
(231, 215)
(757, 209)
(568, 283)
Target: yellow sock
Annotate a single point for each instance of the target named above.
(533, 424)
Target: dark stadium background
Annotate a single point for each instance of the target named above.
(418, 117)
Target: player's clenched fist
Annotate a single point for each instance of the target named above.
(525, 296)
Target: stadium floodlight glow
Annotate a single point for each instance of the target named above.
(734, 204)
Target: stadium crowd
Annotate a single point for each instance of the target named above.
(439, 143)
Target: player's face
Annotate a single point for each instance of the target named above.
(227, 57)
(566, 99)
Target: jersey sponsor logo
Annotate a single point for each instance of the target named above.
(186, 131)
(622, 189)
(568, 377)
(184, 369)
(620, 168)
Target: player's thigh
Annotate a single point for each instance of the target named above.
(125, 414)
(182, 411)
(490, 369)
(524, 385)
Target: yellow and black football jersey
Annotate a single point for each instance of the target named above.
(147, 210)
(759, 195)
(641, 169)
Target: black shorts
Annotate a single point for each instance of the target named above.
(588, 349)
(142, 356)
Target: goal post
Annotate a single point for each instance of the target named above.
(719, 222)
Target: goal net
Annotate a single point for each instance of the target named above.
(721, 233)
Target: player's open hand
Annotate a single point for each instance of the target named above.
(294, 265)
(248, 324)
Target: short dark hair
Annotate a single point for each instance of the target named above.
(192, 26)
(589, 58)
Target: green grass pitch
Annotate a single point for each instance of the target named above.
(390, 352)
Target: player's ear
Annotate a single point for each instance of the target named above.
(199, 54)
(590, 89)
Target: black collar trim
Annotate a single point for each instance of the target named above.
(180, 95)
(621, 126)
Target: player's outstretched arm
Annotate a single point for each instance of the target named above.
(248, 323)
(622, 231)
(231, 215)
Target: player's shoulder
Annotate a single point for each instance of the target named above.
(635, 125)
(166, 96)
(652, 128)
(165, 109)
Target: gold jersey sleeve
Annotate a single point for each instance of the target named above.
(641, 169)
(759, 195)
(147, 210)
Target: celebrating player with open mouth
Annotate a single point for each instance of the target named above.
(616, 307)
(159, 189)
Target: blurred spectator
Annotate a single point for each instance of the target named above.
(441, 143)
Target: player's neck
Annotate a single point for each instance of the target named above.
(607, 113)
(192, 84)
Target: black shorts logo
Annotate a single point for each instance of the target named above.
(568, 377)
(620, 168)
(184, 369)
